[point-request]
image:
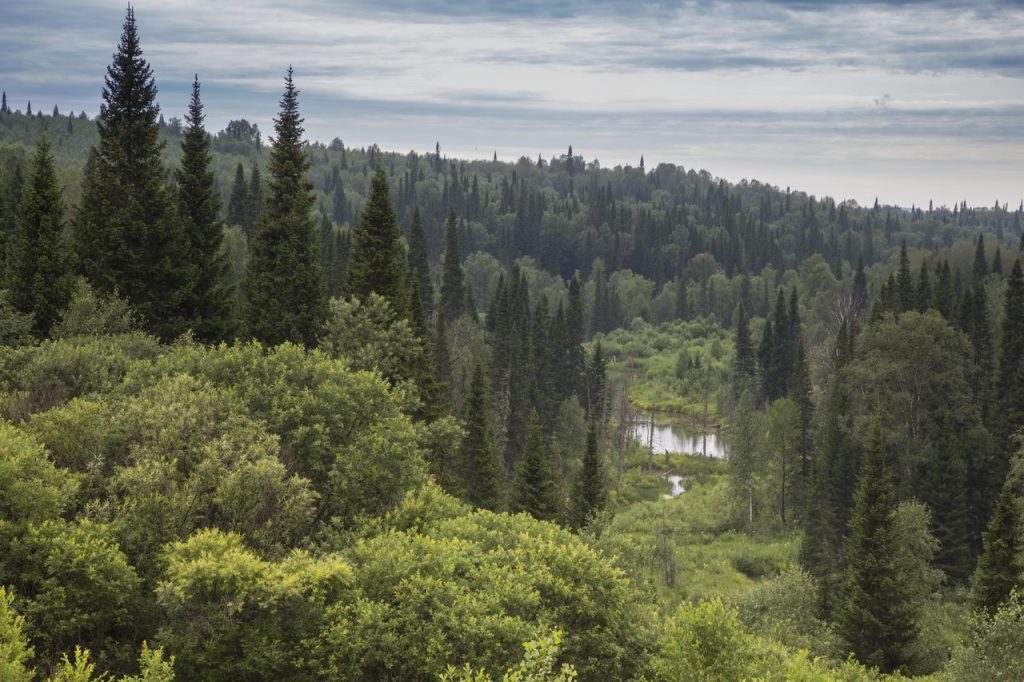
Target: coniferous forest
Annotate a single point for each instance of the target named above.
(273, 409)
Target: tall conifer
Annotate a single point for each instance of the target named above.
(128, 236)
(39, 256)
(207, 307)
(419, 266)
(589, 494)
(377, 263)
(453, 288)
(535, 490)
(480, 469)
(999, 567)
(285, 288)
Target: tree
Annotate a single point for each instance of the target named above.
(980, 263)
(128, 237)
(453, 288)
(15, 652)
(378, 259)
(783, 426)
(999, 568)
(875, 616)
(480, 470)
(904, 282)
(1011, 359)
(419, 267)
(285, 289)
(207, 306)
(535, 490)
(238, 202)
(39, 257)
(746, 362)
(589, 494)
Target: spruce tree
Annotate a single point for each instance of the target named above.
(3, 103)
(534, 488)
(589, 494)
(238, 202)
(1011, 361)
(904, 282)
(207, 307)
(980, 264)
(39, 256)
(944, 296)
(745, 362)
(453, 289)
(285, 288)
(419, 266)
(999, 567)
(875, 616)
(128, 237)
(574, 336)
(377, 263)
(480, 469)
(254, 195)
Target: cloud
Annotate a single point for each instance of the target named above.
(785, 82)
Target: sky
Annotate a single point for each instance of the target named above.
(909, 101)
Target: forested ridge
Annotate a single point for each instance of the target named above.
(273, 409)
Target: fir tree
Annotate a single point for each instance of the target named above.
(418, 270)
(207, 307)
(943, 296)
(39, 256)
(924, 289)
(875, 616)
(997, 262)
(576, 361)
(745, 363)
(534, 489)
(285, 288)
(589, 494)
(255, 198)
(999, 567)
(1011, 360)
(453, 289)
(480, 470)
(3, 103)
(128, 237)
(377, 263)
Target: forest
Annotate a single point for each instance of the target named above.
(274, 409)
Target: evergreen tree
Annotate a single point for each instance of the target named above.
(480, 470)
(534, 489)
(38, 255)
(3, 103)
(946, 495)
(997, 262)
(453, 288)
(254, 197)
(285, 288)
(419, 267)
(207, 307)
(589, 494)
(980, 264)
(944, 296)
(875, 616)
(999, 567)
(745, 362)
(904, 282)
(128, 237)
(576, 362)
(377, 263)
(924, 289)
(238, 202)
(1011, 360)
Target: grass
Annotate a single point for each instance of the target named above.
(685, 547)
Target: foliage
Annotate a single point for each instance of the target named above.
(995, 649)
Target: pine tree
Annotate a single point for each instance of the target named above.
(419, 267)
(980, 264)
(534, 489)
(589, 494)
(39, 256)
(875, 616)
(999, 567)
(480, 470)
(3, 103)
(453, 289)
(128, 237)
(285, 288)
(207, 307)
(377, 263)
(254, 197)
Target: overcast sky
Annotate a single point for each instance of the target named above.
(908, 101)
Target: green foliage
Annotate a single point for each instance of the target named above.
(15, 653)
(703, 643)
(285, 287)
(32, 489)
(995, 649)
(378, 259)
(15, 326)
(535, 489)
(232, 615)
(590, 492)
(75, 586)
(1000, 568)
(538, 665)
(785, 609)
(478, 472)
(38, 254)
(91, 314)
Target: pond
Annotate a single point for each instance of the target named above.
(676, 481)
(676, 437)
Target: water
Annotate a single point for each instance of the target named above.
(677, 484)
(676, 438)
